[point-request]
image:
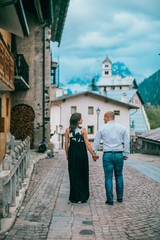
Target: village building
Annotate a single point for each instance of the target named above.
(26, 29)
(120, 90)
(92, 106)
(138, 119)
(125, 90)
(6, 87)
(150, 142)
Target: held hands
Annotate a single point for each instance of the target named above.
(125, 158)
(95, 157)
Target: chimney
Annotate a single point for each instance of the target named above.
(119, 77)
(59, 92)
(124, 97)
(52, 92)
(65, 92)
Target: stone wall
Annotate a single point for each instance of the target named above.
(32, 49)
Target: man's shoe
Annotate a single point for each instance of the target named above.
(109, 203)
(120, 200)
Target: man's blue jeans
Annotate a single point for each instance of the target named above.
(113, 161)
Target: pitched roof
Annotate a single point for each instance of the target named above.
(107, 60)
(139, 121)
(59, 15)
(98, 95)
(117, 94)
(152, 135)
(115, 81)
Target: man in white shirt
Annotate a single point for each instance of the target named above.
(113, 135)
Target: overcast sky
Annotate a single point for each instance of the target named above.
(126, 30)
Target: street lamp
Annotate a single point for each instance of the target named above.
(98, 112)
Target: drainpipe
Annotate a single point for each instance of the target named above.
(131, 115)
(43, 144)
(130, 127)
(43, 99)
(49, 23)
(44, 57)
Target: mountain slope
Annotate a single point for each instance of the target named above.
(150, 89)
(120, 68)
(85, 79)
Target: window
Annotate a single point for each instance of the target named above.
(73, 109)
(112, 87)
(2, 122)
(106, 66)
(120, 87)
(90, 129)
(106, 72)
(90, 110)
(7, 107)
(104, 89)
(117, 112)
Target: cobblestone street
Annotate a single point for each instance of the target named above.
(47, 214)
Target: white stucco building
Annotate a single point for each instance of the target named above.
(138, 117)
(86, 103)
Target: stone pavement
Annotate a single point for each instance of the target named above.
(146, 164)
(47, 214)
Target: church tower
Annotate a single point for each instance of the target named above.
(107, 68)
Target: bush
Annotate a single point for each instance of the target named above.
(153, 114)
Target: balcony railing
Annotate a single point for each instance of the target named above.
(21, 72)
(6, 67)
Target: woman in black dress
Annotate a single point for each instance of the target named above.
(76, 154)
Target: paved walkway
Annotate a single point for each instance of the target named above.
(47, 214)
(146, 164)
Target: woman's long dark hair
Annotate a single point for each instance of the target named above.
(74, 120)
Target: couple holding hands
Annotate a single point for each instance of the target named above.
(113, 135)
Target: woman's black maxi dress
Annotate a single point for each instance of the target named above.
(78, 167)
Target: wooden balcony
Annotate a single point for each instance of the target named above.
(6, 67)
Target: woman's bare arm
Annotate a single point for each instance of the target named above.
(88, 145)
(66, 142)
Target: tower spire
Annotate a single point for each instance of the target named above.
(106, 68)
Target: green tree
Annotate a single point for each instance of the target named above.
(153, 114)
(149, 89)
(93, 86)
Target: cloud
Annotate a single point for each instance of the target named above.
(127, 30)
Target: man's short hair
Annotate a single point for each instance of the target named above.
(110, 114)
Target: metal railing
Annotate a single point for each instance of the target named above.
(21, 67)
